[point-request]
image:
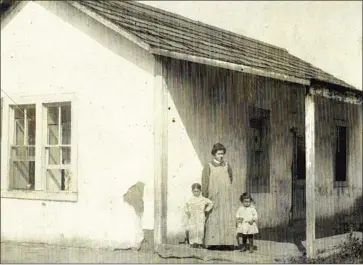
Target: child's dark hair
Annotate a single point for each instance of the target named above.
(245, 195)
(196, 186)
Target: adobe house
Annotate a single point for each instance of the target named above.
(110, 109)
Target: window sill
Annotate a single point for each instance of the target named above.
(40, 195)
(341, 184)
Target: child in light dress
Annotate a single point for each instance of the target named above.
(246, 222)
(195, 210)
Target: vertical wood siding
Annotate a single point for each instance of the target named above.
(198, 119)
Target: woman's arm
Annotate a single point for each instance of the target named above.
(230, 173)
(205, 180)
(209, 204)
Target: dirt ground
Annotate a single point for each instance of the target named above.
(14, 252)
(268, 252)
(30, 253)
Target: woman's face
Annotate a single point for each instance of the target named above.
(219, 155)
(246, 202)
(196, 192)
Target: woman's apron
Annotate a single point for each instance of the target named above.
(220, 224)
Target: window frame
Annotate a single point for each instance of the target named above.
(341, 123)
(12, 135)
(40, 192)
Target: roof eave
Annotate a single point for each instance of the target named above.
(337, 88)
(230, 66)
(13, 8)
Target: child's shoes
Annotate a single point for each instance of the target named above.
(251, 249)
(243, 248)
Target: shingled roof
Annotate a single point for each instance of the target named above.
(165, 31)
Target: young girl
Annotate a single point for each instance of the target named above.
(246, 222)
(195, 210)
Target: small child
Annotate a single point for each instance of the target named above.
(195, 210)
(246, 222)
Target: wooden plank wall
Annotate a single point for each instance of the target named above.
(202, 117)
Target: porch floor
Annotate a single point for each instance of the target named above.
(268, 252)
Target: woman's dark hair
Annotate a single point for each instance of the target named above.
(245, 195)
(196, 185)
(218, 147)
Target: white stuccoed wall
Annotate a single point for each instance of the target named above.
(51, 48)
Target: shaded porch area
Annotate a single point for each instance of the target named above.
(268, 251)
(213, 105)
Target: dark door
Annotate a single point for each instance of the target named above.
(298, 178)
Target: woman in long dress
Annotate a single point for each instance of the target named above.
(217, 182)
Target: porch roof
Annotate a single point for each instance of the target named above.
(172, 35)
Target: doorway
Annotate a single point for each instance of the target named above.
(298, 177)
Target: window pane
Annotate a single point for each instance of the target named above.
(341, 154)
(54, 156)
(31, 125)
(18, 112)
(23, 175)
(66, 155)
(66, 124)
(24, 125)
(19, 132)
(25, 153)
(58, 179)
(53, 125)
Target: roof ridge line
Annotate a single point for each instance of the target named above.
(205, 25)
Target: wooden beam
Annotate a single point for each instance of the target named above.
(39, 134)
(360, 122)
(230, 66)
(160, 151)
(310, 173)
(346, 97)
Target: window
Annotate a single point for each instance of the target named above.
(58, 147)
(41, 149)
(22, 149)
(341, 155)
(258, 154)
(300, 158)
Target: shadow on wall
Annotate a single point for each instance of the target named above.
(190, 87)
(134, 197)
(343, 222)
(340, 223)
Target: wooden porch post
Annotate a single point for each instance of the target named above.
(160, 151)
(360, 122)
(310, 173)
